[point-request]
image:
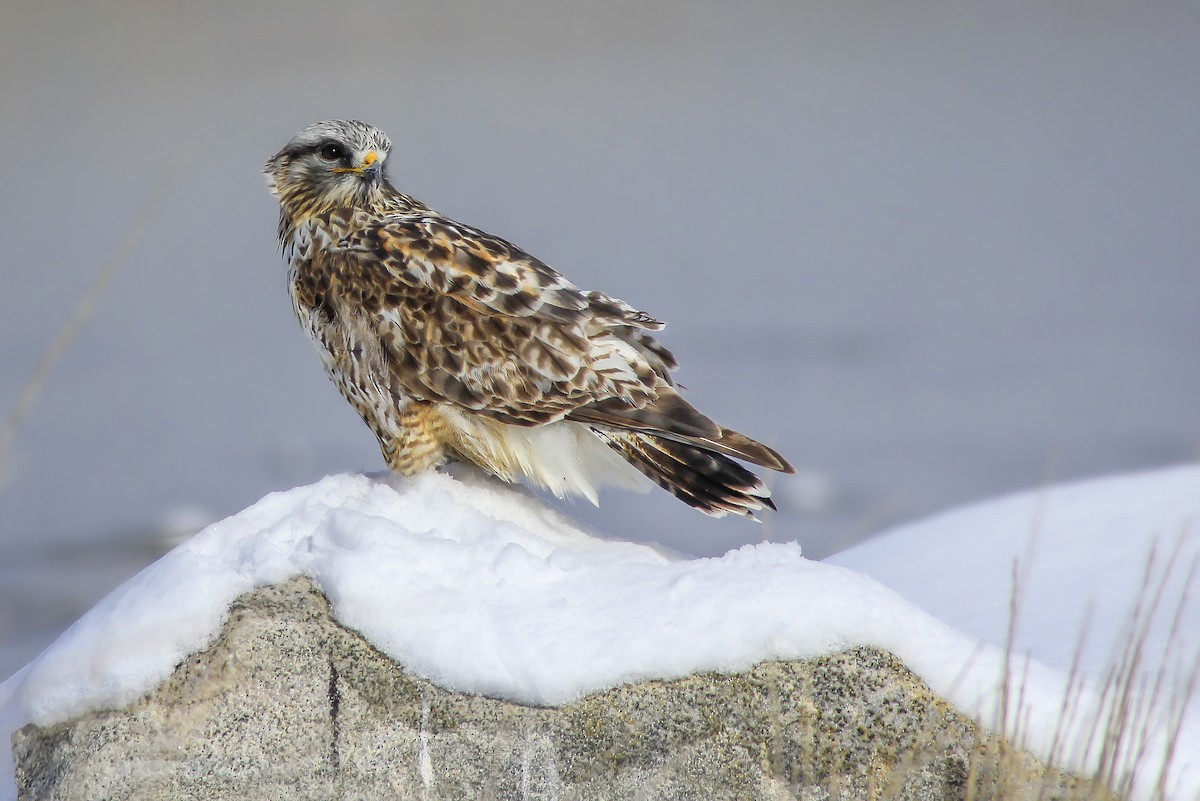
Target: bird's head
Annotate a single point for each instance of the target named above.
(331, 164)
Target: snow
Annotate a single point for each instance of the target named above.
(1084, 551)
(483, 588)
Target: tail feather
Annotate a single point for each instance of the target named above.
(731, 443)
(708, 481)
(672, 417)
(724, 478)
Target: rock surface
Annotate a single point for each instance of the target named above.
(287, 704)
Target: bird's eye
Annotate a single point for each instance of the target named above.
(332, 152)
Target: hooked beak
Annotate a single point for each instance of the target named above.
(371, 167)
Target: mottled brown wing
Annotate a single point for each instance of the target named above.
(466, 318)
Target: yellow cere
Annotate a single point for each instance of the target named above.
(368, 160)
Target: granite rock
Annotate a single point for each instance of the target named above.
(287, 704)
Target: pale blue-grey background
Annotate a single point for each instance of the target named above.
(932, 251)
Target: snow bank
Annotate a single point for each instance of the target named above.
(482, 588)
(1084, 551)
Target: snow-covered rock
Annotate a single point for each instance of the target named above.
(480, 588)
(287, 704)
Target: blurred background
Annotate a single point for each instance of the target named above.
(933, 252)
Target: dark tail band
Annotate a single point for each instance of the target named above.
(703, 479)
